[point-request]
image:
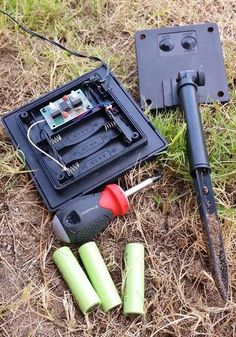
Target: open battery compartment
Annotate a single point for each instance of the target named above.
(96, 144)
(85, 144)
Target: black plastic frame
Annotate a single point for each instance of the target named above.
(54, 198)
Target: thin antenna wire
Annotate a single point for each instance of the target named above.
(57, 44)
(38, 148)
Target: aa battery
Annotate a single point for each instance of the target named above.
(134, 279)
(77, 281)
(99, 276)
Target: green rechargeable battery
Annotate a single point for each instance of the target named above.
(134, 279)
(77, 281)
(99, 275)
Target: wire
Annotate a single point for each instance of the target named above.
(57, 44)
(40, 150)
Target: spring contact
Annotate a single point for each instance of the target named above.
(56, 139)
(110, 125)
(71, 169)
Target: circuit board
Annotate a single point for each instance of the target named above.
(65, 109)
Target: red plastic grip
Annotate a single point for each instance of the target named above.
(114, 199)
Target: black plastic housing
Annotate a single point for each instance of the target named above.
(140, 141)
(162, 53)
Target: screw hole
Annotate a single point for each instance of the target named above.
(135, 135)
(61, 176)
(148, 101)
(24, 114)
(210, 29)
(142, 36)
(220, 93)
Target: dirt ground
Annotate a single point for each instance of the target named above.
(180, 296)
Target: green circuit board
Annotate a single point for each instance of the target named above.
(75, 103)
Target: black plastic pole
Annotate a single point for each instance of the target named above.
(187, 86)
(195, 139)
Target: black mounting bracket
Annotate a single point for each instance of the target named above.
(162, 53)
(194, 53)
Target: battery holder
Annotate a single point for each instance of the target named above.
(94, 129)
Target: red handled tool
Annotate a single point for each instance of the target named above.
(82, 218)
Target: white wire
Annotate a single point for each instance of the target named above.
(40, 150)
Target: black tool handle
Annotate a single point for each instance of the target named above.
(81, 219)
(187, 93)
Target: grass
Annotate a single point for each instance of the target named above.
(180, 298)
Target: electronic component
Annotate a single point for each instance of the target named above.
(65, 106)
(65, 109)
(54, 108)
(56, 114)
(75, 99)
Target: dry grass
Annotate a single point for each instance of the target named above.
(181, 299)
